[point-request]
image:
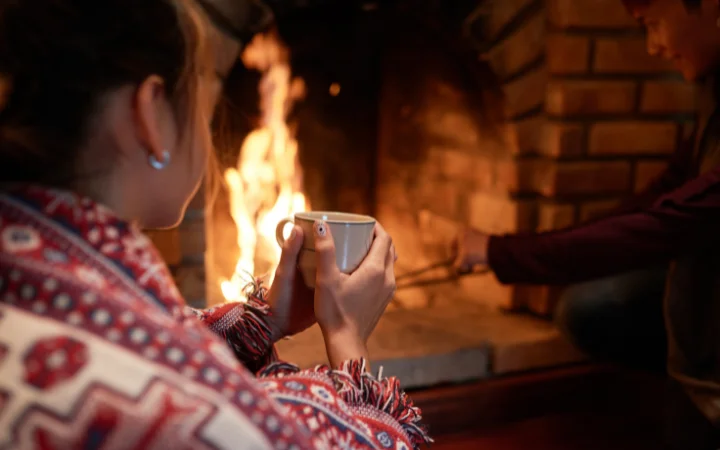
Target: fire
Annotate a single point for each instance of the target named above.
(266, 185)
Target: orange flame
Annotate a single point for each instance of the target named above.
(266, 185)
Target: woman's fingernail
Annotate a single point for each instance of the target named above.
(293, 233)
(320, 228)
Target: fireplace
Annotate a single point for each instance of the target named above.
(507, 115)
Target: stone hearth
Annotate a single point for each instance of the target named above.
(448, 343)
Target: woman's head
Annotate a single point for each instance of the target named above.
(110, 97)
(683, 31)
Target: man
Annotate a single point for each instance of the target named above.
(668, 234)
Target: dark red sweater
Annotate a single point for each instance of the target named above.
(676, 220)
(678, 213)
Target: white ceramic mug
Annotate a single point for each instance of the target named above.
(352, 234)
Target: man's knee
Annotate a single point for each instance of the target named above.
(627, 300)
(616, 318)
(580, 311)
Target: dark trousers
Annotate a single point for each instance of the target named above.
(620, 319)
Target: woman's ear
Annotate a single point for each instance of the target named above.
(151, 114)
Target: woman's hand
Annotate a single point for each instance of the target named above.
(291, 302)
(469, 249)
(348, 307)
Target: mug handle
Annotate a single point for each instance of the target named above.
(279, 231)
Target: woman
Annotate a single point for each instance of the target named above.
(103, 130)
(623, 258)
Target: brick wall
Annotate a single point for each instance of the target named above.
(588, 118)
(443, 161)
(608, 118)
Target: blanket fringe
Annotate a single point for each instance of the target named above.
(357, 387)
(247, 330)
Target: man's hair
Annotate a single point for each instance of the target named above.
(632, 4)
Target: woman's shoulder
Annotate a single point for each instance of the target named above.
(82, 238)
(85, 354)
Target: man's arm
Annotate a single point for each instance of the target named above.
(684, 220)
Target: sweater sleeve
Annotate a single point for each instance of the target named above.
(681, 221)
(244, 327)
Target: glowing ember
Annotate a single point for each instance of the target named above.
(266, 186)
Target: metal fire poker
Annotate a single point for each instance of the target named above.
(432, 281)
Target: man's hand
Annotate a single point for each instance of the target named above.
(469, 249)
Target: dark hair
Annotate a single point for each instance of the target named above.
(631, 4)
(58, 58)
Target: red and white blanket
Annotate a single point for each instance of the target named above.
(98, 350)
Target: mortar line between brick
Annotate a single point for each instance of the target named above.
(610, 157)
(633, 175)
(567, 199)
(577, 212)
(598, 32)
(639, 88)
(646, 76)
(537, 63)
(632, 117)
(585, 149)
(591, 56)
(523, 15)
(532, 112)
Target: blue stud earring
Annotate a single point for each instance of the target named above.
(159, 165)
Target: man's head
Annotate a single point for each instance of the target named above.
(685, 32)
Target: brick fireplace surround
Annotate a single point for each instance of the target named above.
(585, 118)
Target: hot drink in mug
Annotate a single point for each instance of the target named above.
(352, 234)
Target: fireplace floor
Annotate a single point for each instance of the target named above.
(462, 342)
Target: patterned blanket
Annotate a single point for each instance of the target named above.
(99, 350)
